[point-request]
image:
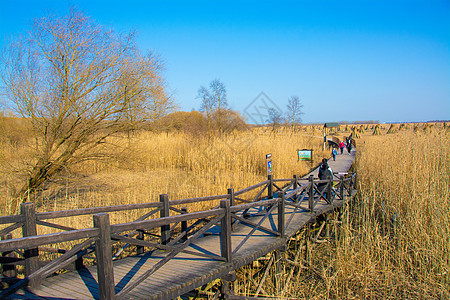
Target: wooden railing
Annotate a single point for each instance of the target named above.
(175, 234)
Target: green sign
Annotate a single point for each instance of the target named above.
(305, 155)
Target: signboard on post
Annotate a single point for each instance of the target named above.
(269, 163)
(305, 155)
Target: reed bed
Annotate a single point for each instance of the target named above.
(396, 235)
(393, 240)
(140, 167)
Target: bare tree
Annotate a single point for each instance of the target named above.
(214, 103)
(78, 83)
(275, 118)
(294, 111)
(214, 98)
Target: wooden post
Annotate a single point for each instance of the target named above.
(311, 193)
(278, 270)
(29, 229)
(327, 225)
(165, 229)
(103, 253)
(140, 249)
(79, 264)
(231, 276)
(281, 216)
(231, 197)
(225, 231)
(295, 182)
(308, 244)
(225, 290)
(341, 187)
(270, 187)
(231, 193)
(184, 226)
(8, 270)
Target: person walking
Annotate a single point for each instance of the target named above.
(349, 146)
(325, 173)
(341, 146)
(334, 153)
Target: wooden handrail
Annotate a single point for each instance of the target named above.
(198, 199)
(244, 206)
(149, 224)
(11, 219)
(51, 238)
(282, 180)
(93, 210)
(245, 190)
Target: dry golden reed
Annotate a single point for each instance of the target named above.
(141, 167)
(395, 239)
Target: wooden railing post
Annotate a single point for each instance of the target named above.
(225, 231)
(140, 236)
(270, 187)
(79, 264)
(311, 193)
(184, 226)
(341, 187)
(103, 253)
(295, 182)
(231, 197)
(281, 216)
(165, 229)
(29, 229)
(327, 225)
(231, 193)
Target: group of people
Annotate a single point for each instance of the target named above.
(325, 172)
(348, 144)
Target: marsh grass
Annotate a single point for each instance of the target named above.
(394, 239)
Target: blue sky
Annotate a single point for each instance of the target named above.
(346, 60)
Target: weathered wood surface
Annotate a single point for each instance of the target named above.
(185, 271)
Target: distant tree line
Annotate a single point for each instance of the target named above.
(359, 122)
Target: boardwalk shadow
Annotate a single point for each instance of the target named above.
(90, 282)
(133, 271)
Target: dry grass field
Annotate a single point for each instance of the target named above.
(147, 164)
(392, 242)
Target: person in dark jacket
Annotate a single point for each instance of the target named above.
(349, 146)
(325, 173)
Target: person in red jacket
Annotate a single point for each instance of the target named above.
(341, 146)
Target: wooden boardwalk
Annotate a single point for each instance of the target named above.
(187, 271)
